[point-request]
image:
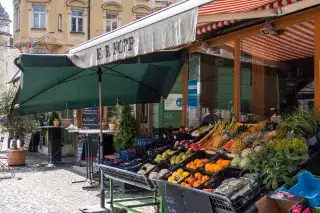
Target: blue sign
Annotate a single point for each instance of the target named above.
(193, 93)
(179, 102)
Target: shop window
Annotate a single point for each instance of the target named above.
(112, 21)
(39, 17)
(60, 22)
(76, 20)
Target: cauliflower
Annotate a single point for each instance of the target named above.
(258, 148)
(244, 163)
(245, 153)
(235, 161)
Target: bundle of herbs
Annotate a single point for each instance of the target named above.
(305, 123)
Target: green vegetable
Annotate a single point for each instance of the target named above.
(303, 122)
(296, 145)
(245, 153)
(244, 163)
(235, 161)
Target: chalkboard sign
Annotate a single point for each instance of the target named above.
(194, 199)
(81, 142)
(172, 197)
(90, 118)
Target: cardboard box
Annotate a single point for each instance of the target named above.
(277, 203)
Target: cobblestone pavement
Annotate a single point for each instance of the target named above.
(47, 190)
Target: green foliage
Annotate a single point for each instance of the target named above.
(303, 122)
(18, 125)
(276, 165)
(53, 116)
(126, 132)
(296, 145)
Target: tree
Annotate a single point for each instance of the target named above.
(16, 126)
(126, 132)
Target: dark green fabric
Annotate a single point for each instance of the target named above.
(50, 82)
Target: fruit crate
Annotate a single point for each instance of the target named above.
(172, 170)
(223, 204)
(179, 151)
(199, 155)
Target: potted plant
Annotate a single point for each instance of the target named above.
(54, 119)
(112, 124)
(17, 127)
(56, 122)
(126, 132)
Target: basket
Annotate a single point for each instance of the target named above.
(199, 155)
(308, 187)
(126, 155)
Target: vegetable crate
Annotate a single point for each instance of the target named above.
(226, 204)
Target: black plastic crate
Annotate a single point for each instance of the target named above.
(196, 201)
(223, 204)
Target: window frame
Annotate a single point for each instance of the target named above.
(112, 20)
(17, 18)
(77, 17)
(60, 22)
(40, 14)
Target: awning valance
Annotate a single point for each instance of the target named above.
(53, 82)
(168, 28)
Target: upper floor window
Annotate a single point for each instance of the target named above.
(113, 21)
(17, 19)
(139, 16)
(60, 22)
(76, 20)
(39, 17)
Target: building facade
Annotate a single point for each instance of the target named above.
(7, 54)
(54, 26)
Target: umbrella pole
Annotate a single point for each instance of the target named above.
(102, 192)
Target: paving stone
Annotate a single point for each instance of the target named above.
(48, 190)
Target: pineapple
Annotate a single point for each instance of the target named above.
(262, 125)
(238, 146)
(219, 142)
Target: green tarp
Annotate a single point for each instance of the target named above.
(53, 82)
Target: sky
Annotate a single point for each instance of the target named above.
(8, 6)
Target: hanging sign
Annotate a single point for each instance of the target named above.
(193, 93)
(173, 102)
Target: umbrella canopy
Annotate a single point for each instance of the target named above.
(52, 82)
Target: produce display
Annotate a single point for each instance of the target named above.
(217, 166)
(176, 159)
(178, 175)
(195, 180)
(197, 163)
(201, 130)
(164, 155)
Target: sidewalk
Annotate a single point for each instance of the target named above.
(43, 189)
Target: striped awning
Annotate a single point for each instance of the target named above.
(295, 42)
(233, 6)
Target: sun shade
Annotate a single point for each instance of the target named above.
(52, 82)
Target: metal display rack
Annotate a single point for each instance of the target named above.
(135, 179)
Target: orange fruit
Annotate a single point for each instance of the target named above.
(188, 166)
(225, 163)
(207, 167)
(183, 184)
(217, 168)
(205, 178)
(192, 167)
(199, 164)
(187, 185)
(219, 161)
(197, 175)
(212, 167)
(196, 184)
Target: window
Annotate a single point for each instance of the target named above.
(60, 22)
(39, 17)
(17, 19)
(76, 21)
(113, 22)
(139, 16)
